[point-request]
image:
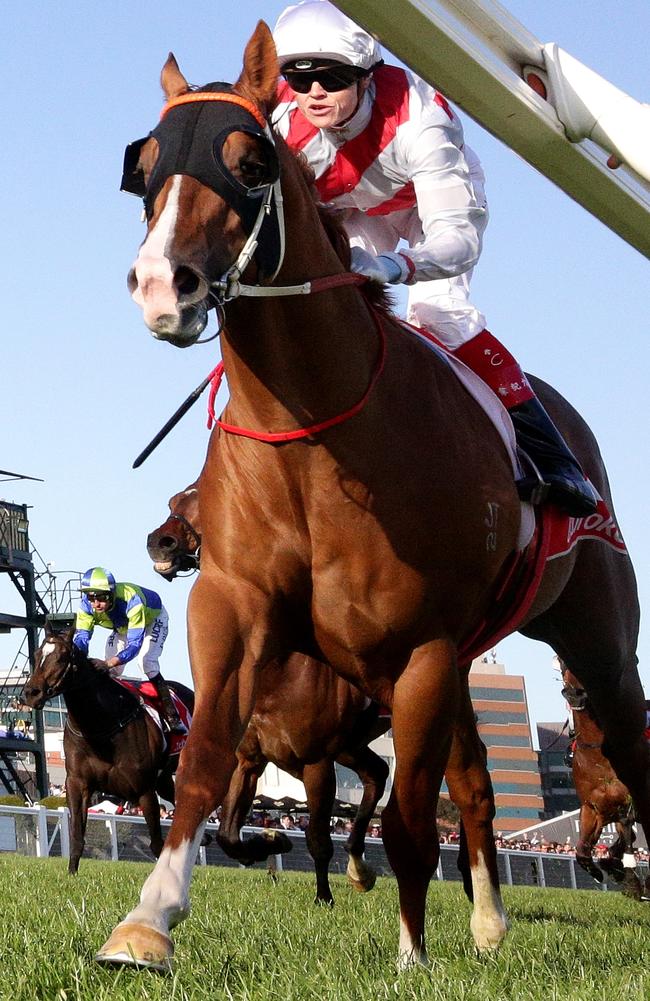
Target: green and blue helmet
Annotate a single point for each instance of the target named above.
(98, 579)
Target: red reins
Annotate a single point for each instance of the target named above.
(318, 285)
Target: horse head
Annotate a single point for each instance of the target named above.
(209, 168)
(54, 665)
(573, 690)
(175, 545)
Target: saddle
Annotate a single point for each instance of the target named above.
(148, 695)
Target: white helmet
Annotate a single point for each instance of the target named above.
(316, 30)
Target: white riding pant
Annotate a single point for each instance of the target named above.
(155, 635)
(443, 305)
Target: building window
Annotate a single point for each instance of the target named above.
(495, 716)
(525, 812)
(504, 740)
(497, 694)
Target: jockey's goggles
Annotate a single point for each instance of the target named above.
(98, 595)
(331, 79)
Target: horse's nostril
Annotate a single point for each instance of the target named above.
(132, 281)
(168, 543)
(186, 281)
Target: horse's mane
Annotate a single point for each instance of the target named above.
(377, 295)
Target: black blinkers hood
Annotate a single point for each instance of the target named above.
(190, 139)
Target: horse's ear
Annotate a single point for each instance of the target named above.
(259, 77)
(68, 635)
(47, 629)
(172, 80)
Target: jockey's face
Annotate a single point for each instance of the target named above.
(325, 109)
(100, 601)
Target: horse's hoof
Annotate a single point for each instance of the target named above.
(632, 888)
(360, 875)
(363, 884)
(281, 842)
(488, 933)
(137, 945)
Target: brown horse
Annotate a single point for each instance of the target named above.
(603, 797)
(356, 505)
(305, 718)
(111, 743)
(175, 546)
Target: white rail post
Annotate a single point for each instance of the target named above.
(64, 827)
(42, 847)
(111, 824)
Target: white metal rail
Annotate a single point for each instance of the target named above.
(476, 53)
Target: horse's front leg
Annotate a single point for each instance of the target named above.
(470, 788)
(78, 797)
(224, 669)
(590, 827)
(236, 807)
(425, 705)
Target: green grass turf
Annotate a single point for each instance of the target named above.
(250, 939)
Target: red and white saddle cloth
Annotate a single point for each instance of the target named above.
(147, 693)
(556, 534)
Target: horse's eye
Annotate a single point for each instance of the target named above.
(253, 173)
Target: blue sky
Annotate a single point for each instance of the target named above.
(85, 386)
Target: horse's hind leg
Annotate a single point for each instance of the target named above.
(373, 772)
(593, 627)
(470, 788)
(320, 786)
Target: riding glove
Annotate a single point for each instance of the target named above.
(391, 268)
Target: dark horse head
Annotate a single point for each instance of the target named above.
(56, 667)
(176, 544)
(98, 702)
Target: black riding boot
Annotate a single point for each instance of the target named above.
(169, 711)
(561, 480)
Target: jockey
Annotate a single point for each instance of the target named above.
(388, 152)
(138, 624)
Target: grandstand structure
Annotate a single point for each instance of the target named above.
(23, 767)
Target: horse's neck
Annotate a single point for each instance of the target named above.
(300, 369)
(309, 355)
(92, 704)
(586, 727)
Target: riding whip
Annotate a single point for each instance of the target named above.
(173, 420)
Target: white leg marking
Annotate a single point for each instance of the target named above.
(629, 861)
(489, 923)
(164, 900)
(359, 873)
(410, 953)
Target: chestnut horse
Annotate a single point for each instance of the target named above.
(305, 718)
(603, 797)
(110, 742)
(357, 505)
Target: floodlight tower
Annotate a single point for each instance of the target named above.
(16, 562)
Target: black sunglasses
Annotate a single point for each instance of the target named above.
(98, 596)
(331, 80)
